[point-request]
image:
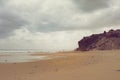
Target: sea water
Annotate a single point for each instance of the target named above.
(19, 56)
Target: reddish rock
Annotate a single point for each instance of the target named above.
(105, 41)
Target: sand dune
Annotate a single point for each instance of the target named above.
(92, 65)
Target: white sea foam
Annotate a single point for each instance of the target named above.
(18, 58)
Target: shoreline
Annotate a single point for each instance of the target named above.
(92, 65)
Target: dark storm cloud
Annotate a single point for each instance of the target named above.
(65, 20)
(51, 17)
(91, 5)
(108, 19)
(9, 22)
(2, 2)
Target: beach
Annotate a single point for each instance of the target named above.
(89, 65)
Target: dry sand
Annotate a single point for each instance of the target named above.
(93, 65)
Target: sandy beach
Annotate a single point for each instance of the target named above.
(92, 65)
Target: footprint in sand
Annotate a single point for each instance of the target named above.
(118, 70)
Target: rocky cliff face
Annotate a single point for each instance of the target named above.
(105, 41)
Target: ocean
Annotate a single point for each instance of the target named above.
(18, 56)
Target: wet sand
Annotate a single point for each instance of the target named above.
(92, 65)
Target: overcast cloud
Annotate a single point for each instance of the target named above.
(53, 25)
(91, 5)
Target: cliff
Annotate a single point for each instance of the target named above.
(104, 41)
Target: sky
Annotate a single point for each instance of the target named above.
(54, 25)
